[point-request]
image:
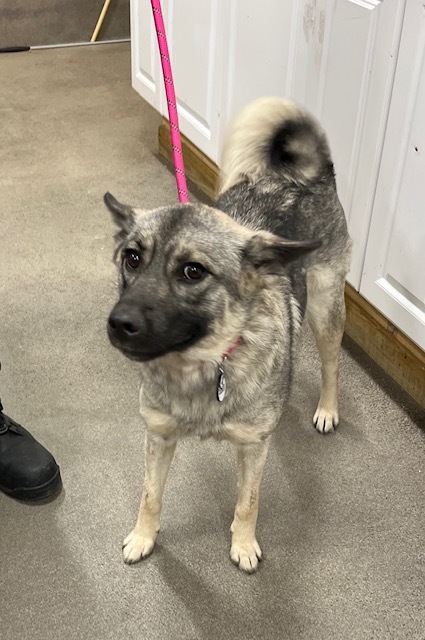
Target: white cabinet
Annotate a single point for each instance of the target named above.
(394, 270)
(341, 67)
(339, 59)
(214, 48)
(198, 33)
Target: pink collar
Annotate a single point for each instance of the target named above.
(231, 349)
(221, 380)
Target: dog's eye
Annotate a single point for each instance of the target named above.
(132, 258)
(194, 271)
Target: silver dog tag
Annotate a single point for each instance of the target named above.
(221, 384)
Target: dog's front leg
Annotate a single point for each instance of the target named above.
(158, 456)
(245, 551)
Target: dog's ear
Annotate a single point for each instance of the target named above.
(271, 254)
(122, 214)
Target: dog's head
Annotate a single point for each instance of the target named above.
(187, 275)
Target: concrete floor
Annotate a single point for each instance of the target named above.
(47, 22)
(342, 517)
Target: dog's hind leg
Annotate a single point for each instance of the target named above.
(326, 316)
(158, 456)
(245, 551)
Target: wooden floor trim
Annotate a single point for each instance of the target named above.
(389, 347)
(401, 358)
(202, 171)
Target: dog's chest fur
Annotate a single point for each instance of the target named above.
(189, 406)
(179, 401)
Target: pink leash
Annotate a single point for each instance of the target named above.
(178, 155)
(171, 101)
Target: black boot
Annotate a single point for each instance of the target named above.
(27, 470)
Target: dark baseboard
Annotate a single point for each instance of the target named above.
(202, 171)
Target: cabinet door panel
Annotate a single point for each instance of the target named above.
(144, 58)
(198, 43)
(394, 270)
(260, 34)
(198, 39)
(193, 49)
(344, 54)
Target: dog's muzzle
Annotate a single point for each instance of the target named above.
(142, 336)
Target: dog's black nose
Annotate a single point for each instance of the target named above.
(126, 323)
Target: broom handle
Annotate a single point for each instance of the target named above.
(100, 20)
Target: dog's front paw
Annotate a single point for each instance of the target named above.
(137, 546)
(325, 420)
(246, 555)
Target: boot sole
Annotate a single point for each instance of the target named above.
(32, 494)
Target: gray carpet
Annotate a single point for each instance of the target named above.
(342, 517)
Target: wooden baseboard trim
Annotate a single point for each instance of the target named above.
(202, 171)
(400, 358)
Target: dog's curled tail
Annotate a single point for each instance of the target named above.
(272, 135)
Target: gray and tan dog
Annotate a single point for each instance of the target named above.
(212, 301)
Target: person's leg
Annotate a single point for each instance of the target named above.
(27, 470)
